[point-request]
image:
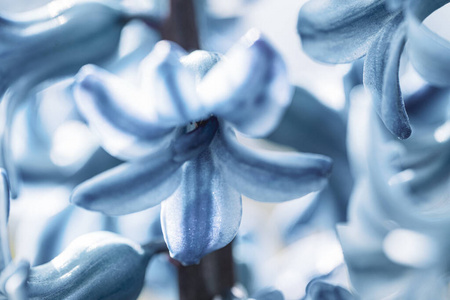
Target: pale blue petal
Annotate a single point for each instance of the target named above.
(170, 86)
(99, 265)
(249, 88)
(429, 53)
(130, 187)
(126, 122)
(203, 214)
(340, 31)
(13, 281)
(381, 77)
(44, 43)
(268, 176)
(334, 285)
(268, 294)
(5, 252)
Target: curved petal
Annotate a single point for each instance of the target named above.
(381, 69)
(267, 175)
(170, 86)
(98, 265)
(340, 31)
(204, 213)
(130, 187)
(429, 53)
(5, 252)
(13, 281)
(249, 88)
(126, 123)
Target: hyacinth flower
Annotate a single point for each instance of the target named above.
(178, 136)
(52, 41)
(97, 265)
(344, 31)
(397, 238)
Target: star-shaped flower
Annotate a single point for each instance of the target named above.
(343, 31)
(178, 136)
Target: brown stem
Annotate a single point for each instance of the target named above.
(180, 26)
(213, 276)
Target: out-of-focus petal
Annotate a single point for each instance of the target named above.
(340, 31)
(429, 53)
(126, 123)
(334, 285)
(13, 281)
(249, 88)
(131, 187)
(5, 252)
(381, 69)
(268, 176)
(203, 214)
(170, 86)
(99, 265)
(268, 294)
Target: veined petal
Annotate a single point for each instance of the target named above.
(131, 187)
(5, 252)
(126, 123)
(170, 86)
(249, 88)
(381, 69)
(268, 176)
(429, 53)
(98, 265)
(340, 31)
(204, 213)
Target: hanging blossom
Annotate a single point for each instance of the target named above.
(177, 134)
(397, 239)
(344, 31)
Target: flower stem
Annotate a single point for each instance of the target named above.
(213, 276)
(180, 26)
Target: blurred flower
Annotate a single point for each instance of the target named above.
(52, 41)
(397, 239)
(200, 169)
(336, 32)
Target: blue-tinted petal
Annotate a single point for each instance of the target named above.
(13, 281)
(429, 53)
(334, 285)
(250, 88)
(5, 252)
(340, 31)
(170, 86)
(268, 175)
(131, 187)
(203, 214)
(99, 265)
(125, 121)
(381, 69)
(57, 39)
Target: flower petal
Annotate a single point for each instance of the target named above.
(340, 31)
(5, 252)
(13, 281)
(268, 176)
(250, 88)
(127, 125)
(429, 53)
(130, 187)
(204, 213)
(381, 69)
(98, 265)
(170, 86)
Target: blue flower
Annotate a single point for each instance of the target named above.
(53, 41)
(178, 136)
(343, 31)
(397, 237)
